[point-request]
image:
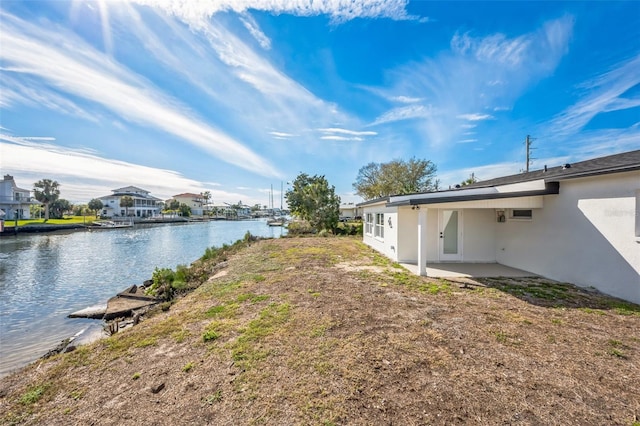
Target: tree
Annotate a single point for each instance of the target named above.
(472, 179)
(59, 207)
(126, 201)
(396, 177)
(174, 204)
(95, 206)
(185, 210)
(313, 200)
(206, 196)
(46, 191)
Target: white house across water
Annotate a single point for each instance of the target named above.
(577, 223)
(144, 204)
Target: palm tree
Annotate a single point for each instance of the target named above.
(46, 191)
(126, 202)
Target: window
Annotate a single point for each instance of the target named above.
(379, 225)
(521, 214)
(368, 224)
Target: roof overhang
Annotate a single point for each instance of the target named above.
(473, 195)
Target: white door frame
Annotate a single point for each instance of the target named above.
(442, 257)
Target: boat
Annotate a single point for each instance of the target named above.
(111, 224)
(279, 221)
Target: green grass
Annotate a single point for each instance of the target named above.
(244, 350)
(210, 335)
(68, 220)
(213, 398)
(34, 394)
(136, 376)
(188, 367)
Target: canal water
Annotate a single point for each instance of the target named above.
(45, 277)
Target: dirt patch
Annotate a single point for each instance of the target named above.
(324, 331)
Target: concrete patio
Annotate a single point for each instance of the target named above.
(468, 270)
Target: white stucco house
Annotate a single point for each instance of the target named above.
(144, 204)
(349, 211)
(194, 201)
(14, 201)
(577, 223)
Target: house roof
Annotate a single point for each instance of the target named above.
(129, 189)
(539, 182)
(188, 194)
(616, 163)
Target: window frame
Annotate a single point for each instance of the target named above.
(514, 216)
(379, 226)
(368, 224)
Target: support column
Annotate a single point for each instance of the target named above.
(422, 241)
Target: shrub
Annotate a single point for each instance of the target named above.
(300, 227)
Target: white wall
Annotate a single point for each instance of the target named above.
(389, 245)
(478, 235)
(585, 236)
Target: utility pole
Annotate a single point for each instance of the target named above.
(527, 143)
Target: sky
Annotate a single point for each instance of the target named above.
(237, 97)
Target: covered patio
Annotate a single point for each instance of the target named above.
(468, 270)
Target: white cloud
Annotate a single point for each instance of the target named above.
(468, 141)
(72, 66)
(282, 134)
(404, 113)
(475, 117)
(406, 99)
(84, 175)
(348, 132)
(338, 10)
(478, 74)
(252, 26)
(603, 94)
(341, 138)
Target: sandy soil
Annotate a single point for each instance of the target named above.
(326, 331)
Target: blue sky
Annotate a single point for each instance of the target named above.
(234, 96)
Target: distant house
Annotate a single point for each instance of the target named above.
(349, 211)
(144, 204)
(578, 223)
(194, 201)
(14, 201)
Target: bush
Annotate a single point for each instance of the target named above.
(300, 227)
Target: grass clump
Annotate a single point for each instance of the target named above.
(34, 394)
(187, 367)
(210, 335)
(213, 398)
(243, 349)
(136, 376)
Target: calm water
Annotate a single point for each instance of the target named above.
(45, 277)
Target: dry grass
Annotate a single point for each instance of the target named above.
(325, 331)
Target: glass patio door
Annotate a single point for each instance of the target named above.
(450, 235)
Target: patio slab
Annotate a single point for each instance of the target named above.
(469, 270)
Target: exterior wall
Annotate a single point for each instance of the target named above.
(478, 237)
(585, 236)
(14, 201)
(112, 206)
(195, 204)
(389, 244)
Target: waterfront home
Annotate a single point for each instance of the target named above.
(578, 223)
(144, 204)
(194, 201)
(14, 201)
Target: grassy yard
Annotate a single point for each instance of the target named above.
(67, 220)
(326, 331)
